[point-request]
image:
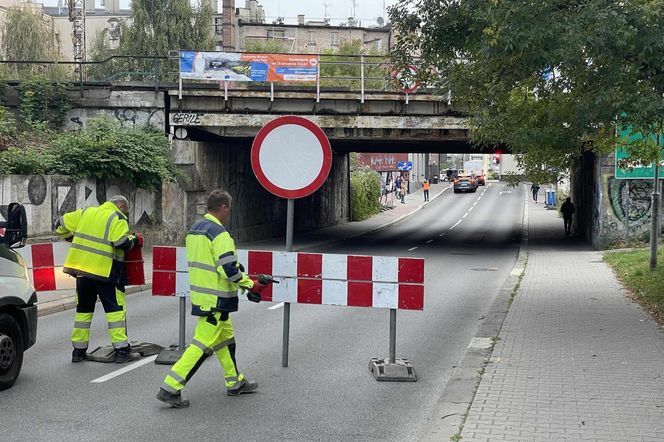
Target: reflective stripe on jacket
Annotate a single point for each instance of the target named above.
(97, 233)
(214, 273)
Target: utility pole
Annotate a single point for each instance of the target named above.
(77, 17)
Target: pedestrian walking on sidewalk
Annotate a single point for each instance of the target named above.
(567, 209)
(404, 190)
(99, 236)
(425, 187)
(534, 188)
(215, 275)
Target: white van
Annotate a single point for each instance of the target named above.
(18, 310)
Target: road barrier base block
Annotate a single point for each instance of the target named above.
(399, 371)
(105, 354)
(169, 356)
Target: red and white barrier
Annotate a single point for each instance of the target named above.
(46, 260)
(44, 263)
(311, 278)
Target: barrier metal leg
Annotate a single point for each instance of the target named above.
(392, 369)
(170, 356)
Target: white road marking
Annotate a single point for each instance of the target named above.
(475, 203)
(276, 306)
(471, 209)
(442, 234)
(465, 215)
(457, 223)
(431, 240)
(123, 370)
(412, 248)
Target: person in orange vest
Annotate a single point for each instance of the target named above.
(425, 187)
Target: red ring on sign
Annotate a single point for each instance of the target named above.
(411, 68)
(325, 167)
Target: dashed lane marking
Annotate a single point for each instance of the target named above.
(430, 241)
(276, 306)
(412, 248)
(457, 223)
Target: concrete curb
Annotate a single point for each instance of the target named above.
(374, 230)
(69, 302)
(449, 414)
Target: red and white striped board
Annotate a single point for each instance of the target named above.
(44, 262)
(311, 278)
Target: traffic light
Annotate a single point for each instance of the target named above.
(497, 158)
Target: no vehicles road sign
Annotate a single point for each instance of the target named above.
(291, 157)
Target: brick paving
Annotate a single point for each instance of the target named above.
(576, 359)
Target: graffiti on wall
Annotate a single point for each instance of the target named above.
(127, 117)
(636, 205)
(47, 198)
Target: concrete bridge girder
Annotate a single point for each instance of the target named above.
(307, 103)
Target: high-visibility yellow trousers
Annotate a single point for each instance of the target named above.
(112, 298)
(212, 335)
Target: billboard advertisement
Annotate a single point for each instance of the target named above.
(234, 66)
(382, 162)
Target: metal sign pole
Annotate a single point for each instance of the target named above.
(290, 216)
(393, 335)
(183, 322)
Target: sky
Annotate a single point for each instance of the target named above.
(337, 10)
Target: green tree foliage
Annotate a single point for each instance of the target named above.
(160, 26)
(550, 78)
(364, 193)
(270, 46)
(26, 37)
(341, 67)
(101, 150)
(104, 150)
(43, 102)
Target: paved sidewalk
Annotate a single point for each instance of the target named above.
(59, 300)
(576, 360)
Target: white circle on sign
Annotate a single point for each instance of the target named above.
(180, 133)
(291, 157)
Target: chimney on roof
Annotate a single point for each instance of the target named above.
(300, 19)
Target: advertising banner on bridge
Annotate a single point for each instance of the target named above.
(233, 66)
(382, 162)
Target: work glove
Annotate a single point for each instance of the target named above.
(254, 293)
(241, 267)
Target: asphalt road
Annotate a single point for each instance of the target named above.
(470, 243)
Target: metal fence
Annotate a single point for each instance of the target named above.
(357, 73)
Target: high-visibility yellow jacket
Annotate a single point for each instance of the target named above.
(99, 237)
(214, 271)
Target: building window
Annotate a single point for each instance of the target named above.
(276, 33)
(218, 28)
(334, 39)
(312, 37)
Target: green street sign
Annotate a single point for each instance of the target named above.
(637, 172)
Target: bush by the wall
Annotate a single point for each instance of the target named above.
(364, 193)
(102, 150)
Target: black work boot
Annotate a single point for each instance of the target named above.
(173, 399)
(79, 354)
(244, 386)
(123, 355)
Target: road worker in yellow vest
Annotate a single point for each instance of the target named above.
(215, 275)
(99, 237)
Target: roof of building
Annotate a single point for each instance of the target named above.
(55, 11)
(309, 25)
